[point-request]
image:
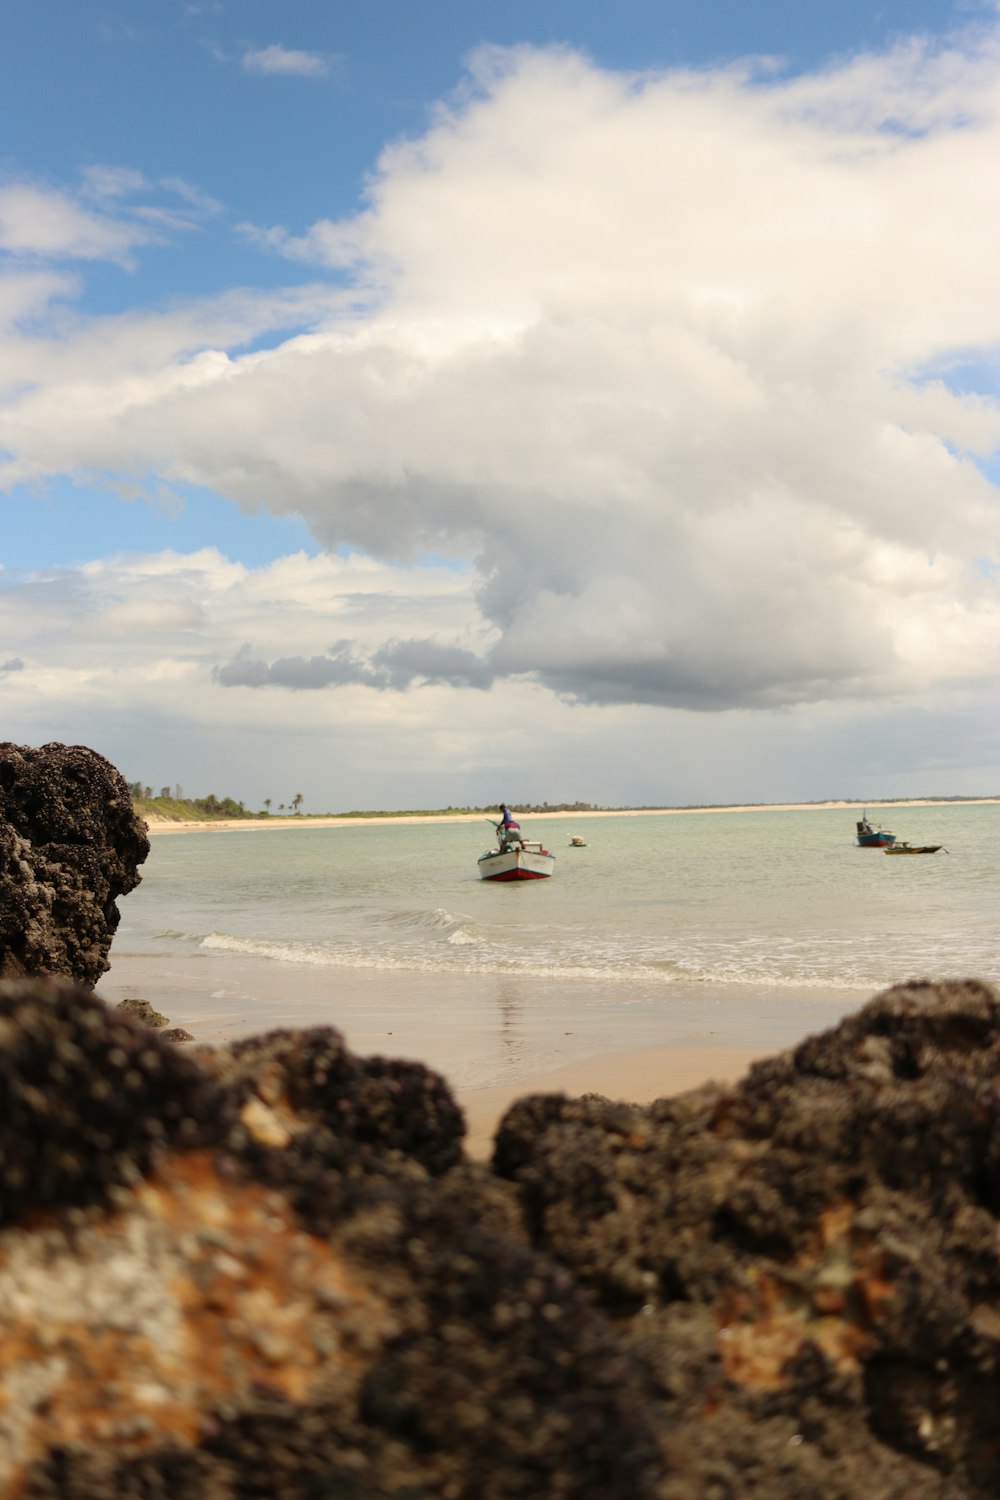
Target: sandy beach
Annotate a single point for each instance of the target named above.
(257, 825)
(635, 1077)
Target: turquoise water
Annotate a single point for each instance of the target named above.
(730, 926)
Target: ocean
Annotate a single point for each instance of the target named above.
(730, 929)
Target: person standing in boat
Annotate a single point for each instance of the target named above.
(508, 829)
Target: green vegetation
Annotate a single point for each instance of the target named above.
(179, 809)
(488, 810)
(185, 809)
(175, 808)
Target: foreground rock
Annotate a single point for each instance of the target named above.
(70, 845)
(269, 1271)
(209, 1292)
(304, 1090)
(812, 1258)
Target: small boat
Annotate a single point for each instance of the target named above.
(577, 841)
(523, 861)
(913, 849)
(517, 858)
(873, 838)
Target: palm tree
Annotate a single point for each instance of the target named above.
(267, 806)
(297, 801)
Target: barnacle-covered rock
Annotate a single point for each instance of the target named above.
(192, 1309)
(812, 1257)
(304, 1088)
(70, 845)
(88, 1097)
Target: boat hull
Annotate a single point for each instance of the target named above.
(914, 849)
(873, 838)
(516, 864)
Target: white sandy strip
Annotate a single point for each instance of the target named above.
(256, 825)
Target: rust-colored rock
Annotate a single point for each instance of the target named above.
(193, 1309)
(70, 845)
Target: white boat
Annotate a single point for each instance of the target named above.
(524, 860)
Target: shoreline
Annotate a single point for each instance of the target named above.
(332, 820)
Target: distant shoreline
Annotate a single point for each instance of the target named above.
(256, 825)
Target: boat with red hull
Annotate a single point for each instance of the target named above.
(528, 861)
(873, 838)
(516, 858)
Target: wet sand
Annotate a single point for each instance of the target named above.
(491, 1043)
(635, 1077)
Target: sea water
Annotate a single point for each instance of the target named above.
(729, 928)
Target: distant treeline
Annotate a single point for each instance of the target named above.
(488, 808)
(186, 809)
(172, 805)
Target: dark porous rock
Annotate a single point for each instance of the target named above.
(88, 1098)
(70, 845)
(142, 1011)
(304, 1088)
(188, 1311)
(811, 1259)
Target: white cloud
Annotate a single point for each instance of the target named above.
(142, 639)
(28, 295)
(648, 352)
(71, 365)
(116, 212)
(122, 655)
(46, 223)
(286, 62)
(201, 607)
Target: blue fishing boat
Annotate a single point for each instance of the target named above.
(873, 838)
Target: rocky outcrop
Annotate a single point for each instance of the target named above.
(269, 1270)
(304, 1090)
(198, 1303)
(70, 845)
(812, 1258)
(142, 1011)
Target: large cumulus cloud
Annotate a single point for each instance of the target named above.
(670, 359)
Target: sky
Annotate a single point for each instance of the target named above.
(432, 403)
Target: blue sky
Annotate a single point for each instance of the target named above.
(372, 370)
